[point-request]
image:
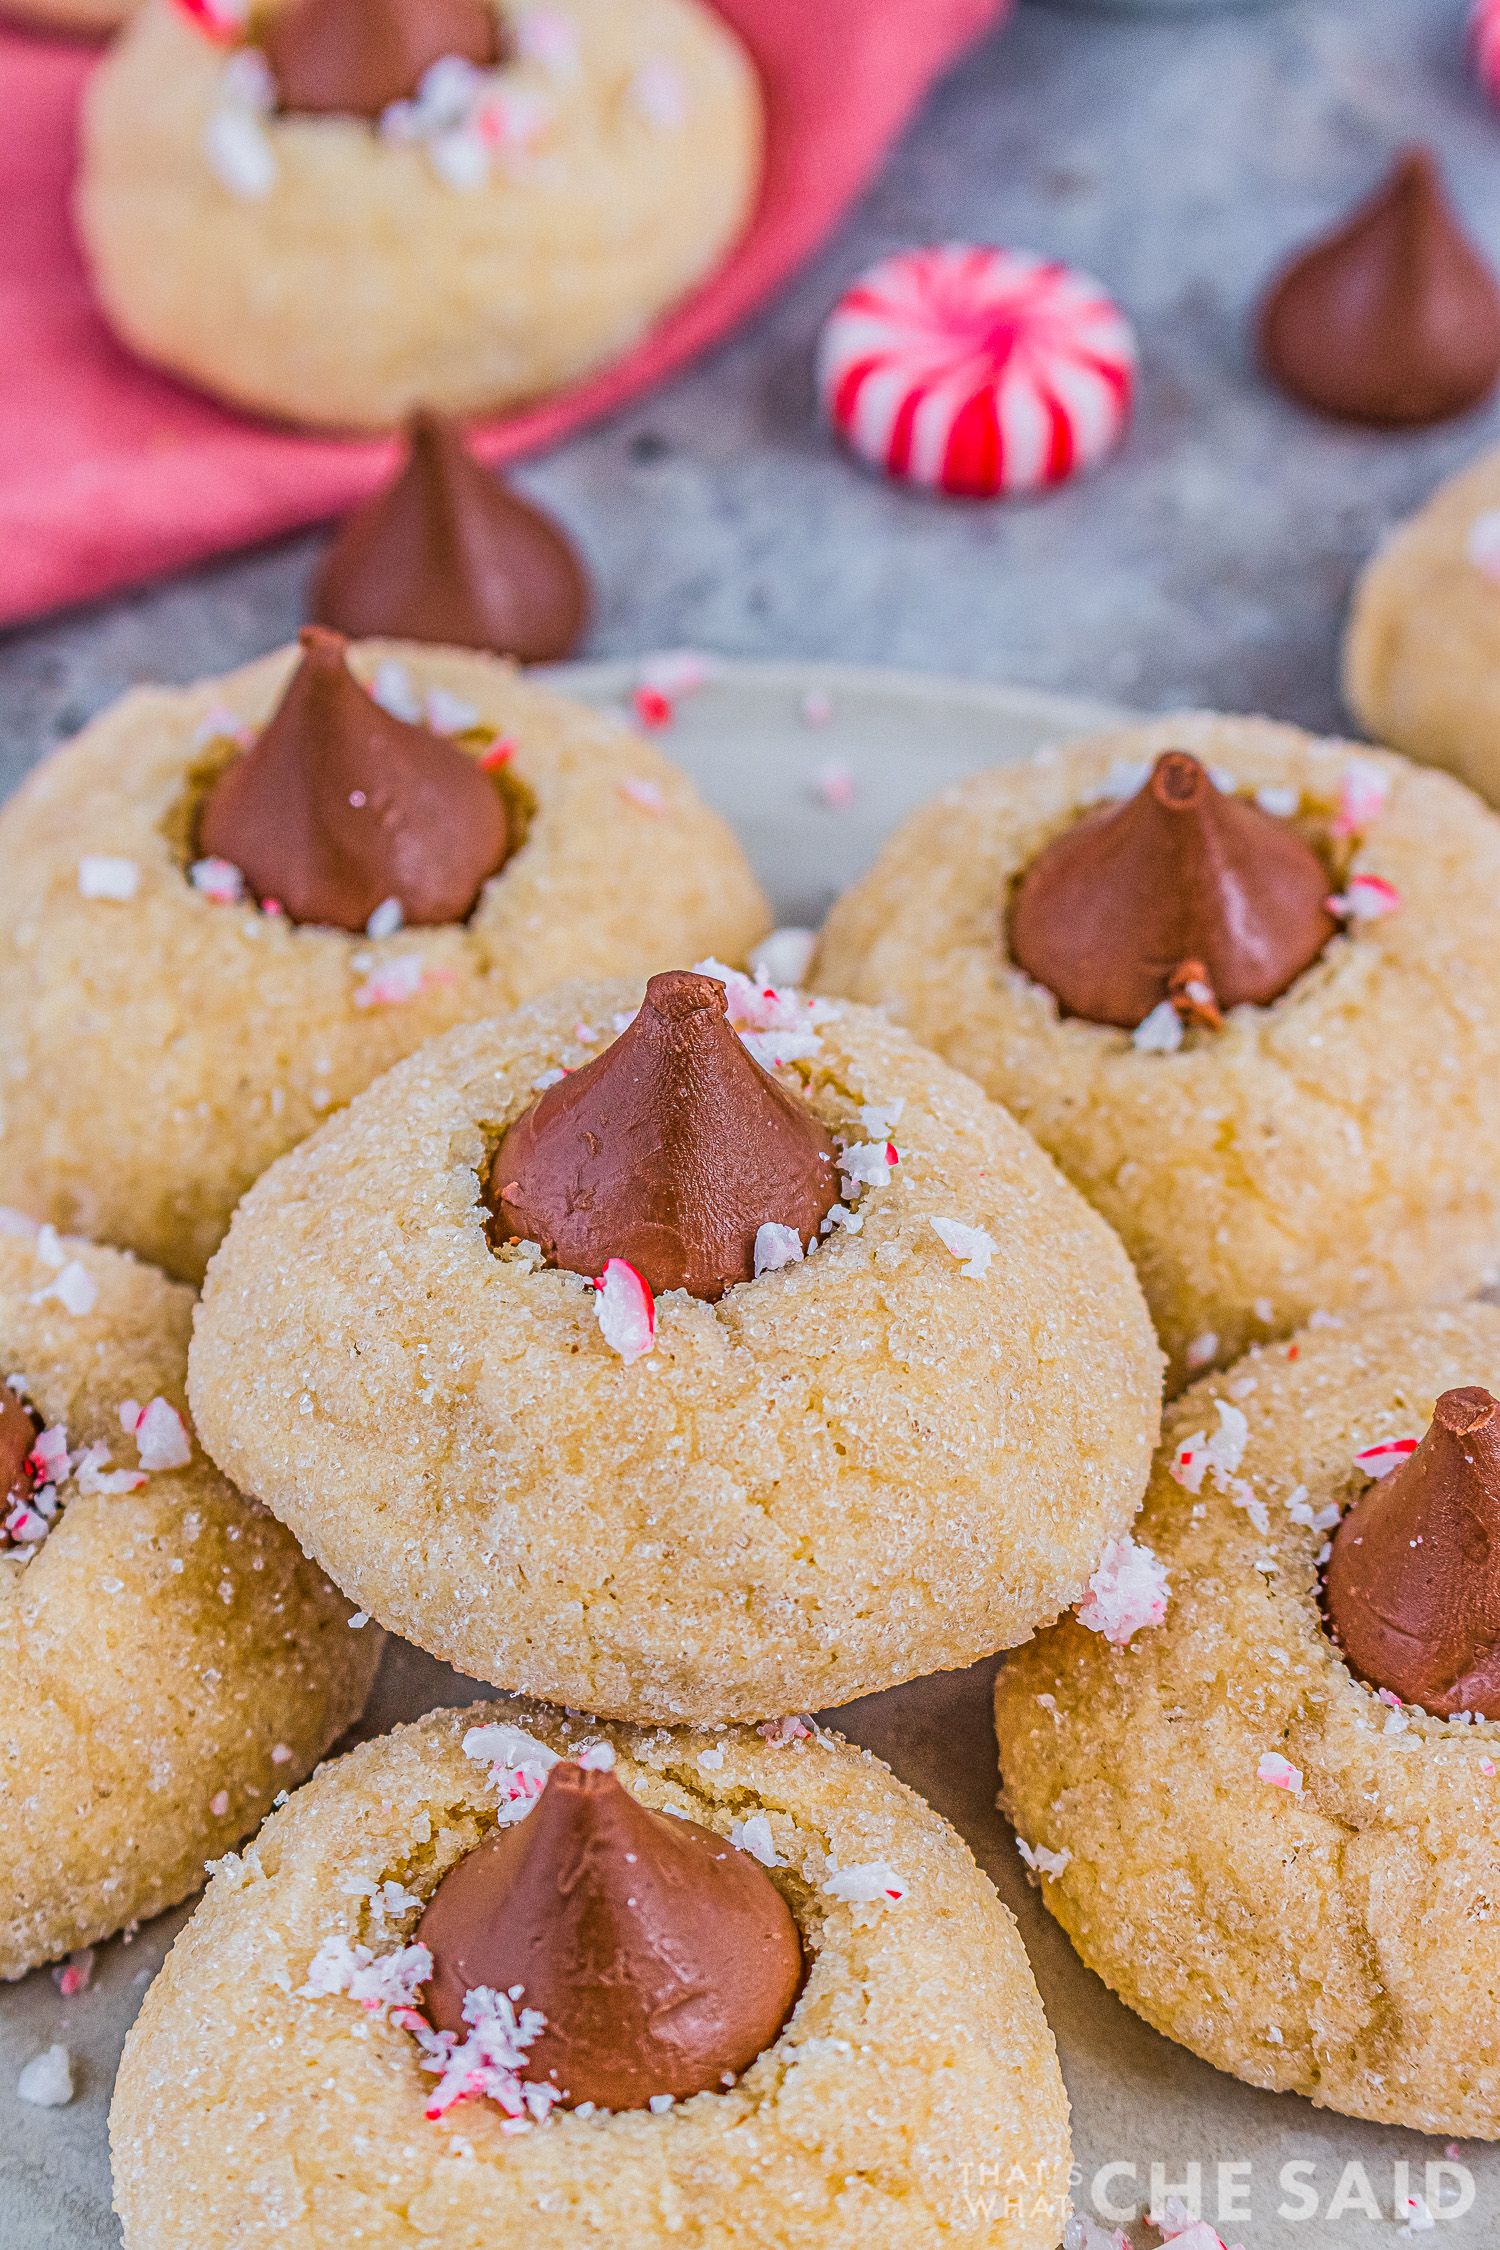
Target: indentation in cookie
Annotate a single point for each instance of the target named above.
(340, 808)
(1184, 895)
(662, 1959)
(672, 1151)
(1412, 1592)
(446, 553)
(355, 57)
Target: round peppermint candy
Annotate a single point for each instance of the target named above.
(977, 370)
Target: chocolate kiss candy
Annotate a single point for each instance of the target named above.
(339, 806)
(670, 1150)
(1178, 875)
(18, 1434)
(355, 57)
(1413, 1584)
(447, 554)
(664, 1960)
(1395, 319)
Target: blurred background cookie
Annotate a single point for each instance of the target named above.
(350, 211)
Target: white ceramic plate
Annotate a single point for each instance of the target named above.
(1142, 2107)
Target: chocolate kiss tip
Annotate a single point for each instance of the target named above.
(445, 553)
(355, 57)
(339, 806)
(663, 1973)
(1110, 912)
(1412, 1591)
(670, 1150)
(1394, 319)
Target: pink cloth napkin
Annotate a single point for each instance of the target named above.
(110, 473)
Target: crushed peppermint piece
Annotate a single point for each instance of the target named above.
(659, 2104)
(677, 672)
(816, 708)
(499, 753)
(392, 689)
(1279, 1772)
(1365, 898)
(839, 1215)
(833, 784)
(645, 795)
(47, 2080)
(221, 20)
(1487, 1768)
(972, 1245)
(1127, 1593)
(1223, 1452)
(1041, 1861)
(49, 1247)
(773, 1049)
(547, 37)
(784, 957)
(711, 1760)
(1386, 1454)
(218, 1804)
(1202, 1348)
(518, 1763)
(1242, 1496)
(376, 1981)
(448, 713)
(1085, 2233)
(74, 1976)
(280, 1754)
(1176, 2224)
(1363, 790)
(754, 1836)
(1413, 2211)
(869, 1163)
(776, 1246)
(386, 919)
(160, 1434)
(102, 876)
(654, 710)
(75, 1290)
(795, 1727)
(1160, 1033)
(398, 980)
(872, 1884)
(219, 880)
(1301, 1511)
(552, 1077)
(597, 1757)
(880, 1119)
(489, 2061)
(1282, 801)
(626, 1311)
(659, 94)
(239, 154)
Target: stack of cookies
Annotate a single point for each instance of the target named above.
(684, 1355)
(678, 1353)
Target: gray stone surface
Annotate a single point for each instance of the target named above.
(1212, 560)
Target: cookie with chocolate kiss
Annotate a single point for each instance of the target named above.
(1183, 889)
(339, 806)
(663, 1959)
(670, 1150)
(1394, 319)
(353, 58)
(445, 553)
(1413, 1585)
(19, 1432)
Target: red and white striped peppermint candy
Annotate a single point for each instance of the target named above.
(1484, 44)
(978, 370)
